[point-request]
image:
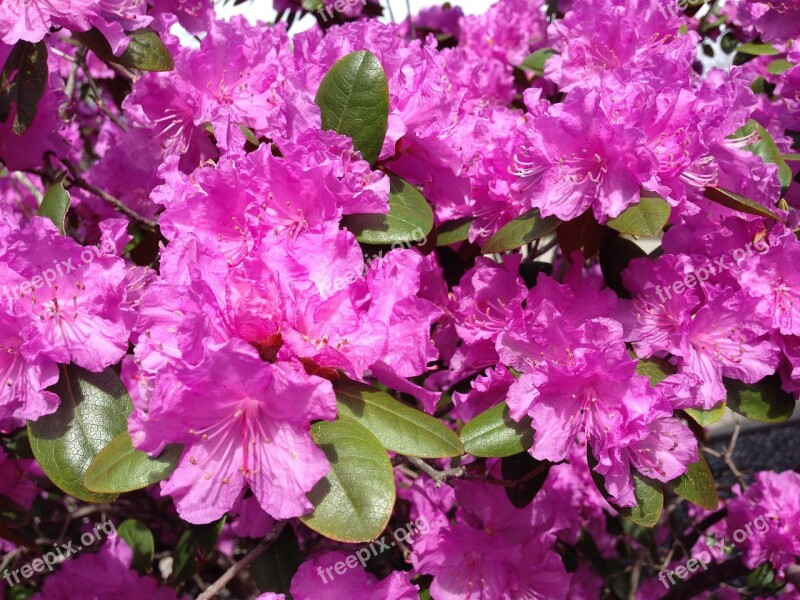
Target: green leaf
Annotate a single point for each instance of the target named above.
(273, 571)
(453, 232)
(94, 410)
(23, 81)
(764, 401)
(120, 468)
(740, 203)
(55, 203)
(194, 548)
(649, 501)
(758, 49)
(704, 418)
(791, 157)
(399, 427)
(145, 50)
(536, 61)
(354, 100)
(697, 485)
(410, 218)
(779, 66)
(354, 502)
(139, 537)
(644, 219)
(521, 231)
(493, 433)
(656, 369)
(765, 147)
(648, 493)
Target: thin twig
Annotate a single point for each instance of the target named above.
(220, 583)
(79, 182)
(438, 476)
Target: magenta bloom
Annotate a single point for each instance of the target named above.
(316, 579)
(768, 515)
(103, 576)
(245, 435)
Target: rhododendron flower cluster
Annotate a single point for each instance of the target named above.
(266, 296)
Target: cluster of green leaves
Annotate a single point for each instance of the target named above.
(23, 79)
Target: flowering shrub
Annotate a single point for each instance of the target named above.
(439, 309)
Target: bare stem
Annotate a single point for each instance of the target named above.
(216, 587)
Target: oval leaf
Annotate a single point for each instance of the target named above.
(765, 147)
(354, 100)
(120, 468)
(399, 427)
(649, 495)
(656, 369)
(535, 62)
(704, 418)
(758, 49)
(354, 502)
(410, 218)
(740, 203)
(764, 401)
(697, 485)
(145, 50)
(649, 501)
(616, 253)
(23, 82)
(493, 433)
(55, 203)
(453, 232)
(94, 410)
(139, 537)
(522, 230)
(644, 219)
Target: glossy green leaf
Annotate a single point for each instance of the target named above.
(521, 231)
(23, 82)
(120, 468)
(656, 369)
(493, 433)
(453, 232)
(94, 410)
(765, 147)
(139, 537)
(779, 66)
(410, 218)
(736, 202)
(194, 548)
(763, 401)
(758, 49)
(145, 50)
(704, 418)
(649, 501)
(649, 496)
(697, 485)
(399, 427)
(354, 501)
(536, 61)
(645, 218)
(354, 100)
(55, 203)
